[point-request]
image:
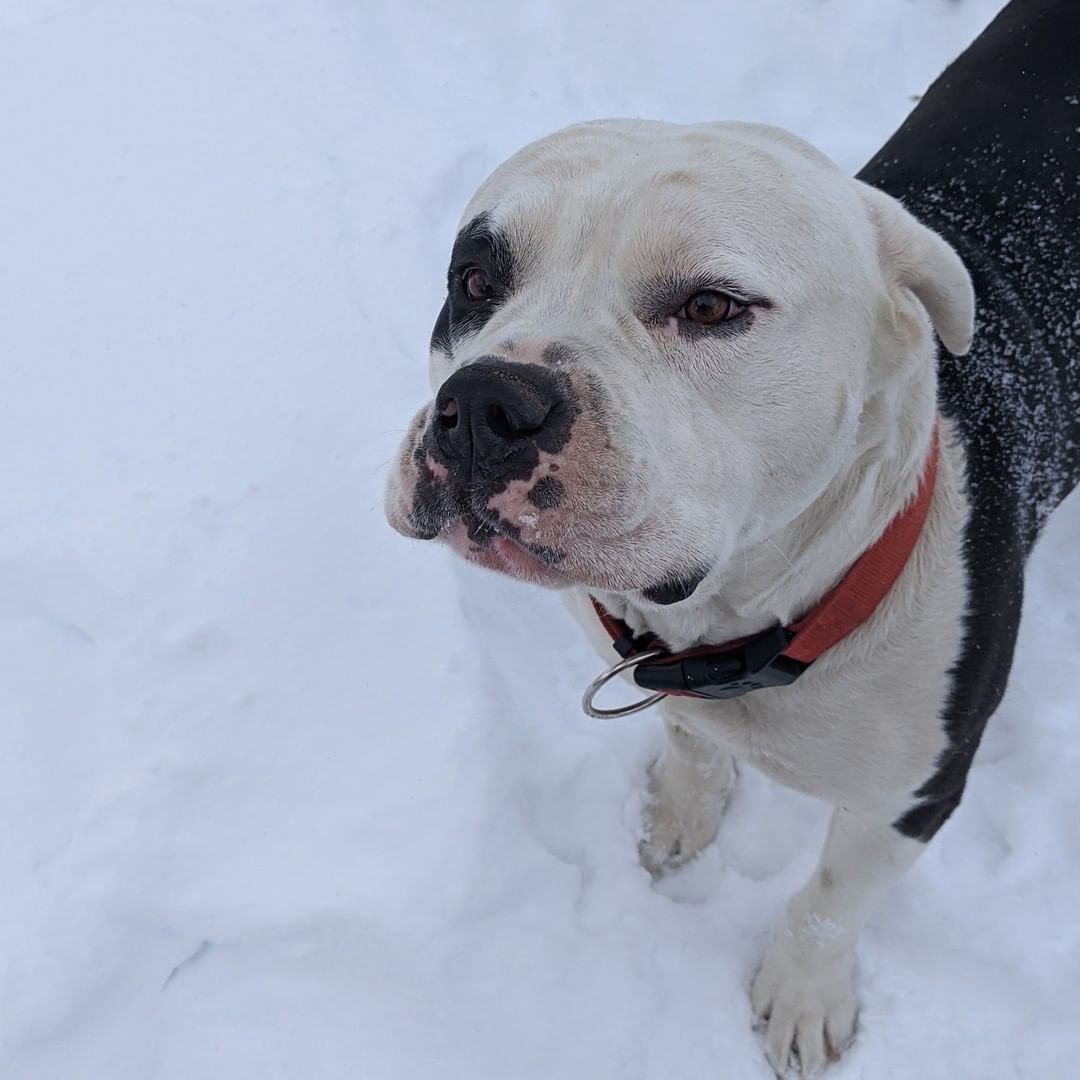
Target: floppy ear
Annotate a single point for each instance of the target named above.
(916, 258)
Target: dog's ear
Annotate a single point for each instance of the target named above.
(916, 258)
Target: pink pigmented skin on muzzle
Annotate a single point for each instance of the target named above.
(437, 469)
(514, 506)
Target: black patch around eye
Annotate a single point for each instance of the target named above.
(483, 245)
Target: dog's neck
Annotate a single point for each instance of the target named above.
(780, 578)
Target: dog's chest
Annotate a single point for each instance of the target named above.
(863, 740)
(864, 725)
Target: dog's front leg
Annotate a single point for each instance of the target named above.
(804, 986)
(689, 786)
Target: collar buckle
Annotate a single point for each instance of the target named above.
(753, 664)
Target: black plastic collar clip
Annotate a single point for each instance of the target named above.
(755, 664)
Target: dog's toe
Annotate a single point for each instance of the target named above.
(808, 1014)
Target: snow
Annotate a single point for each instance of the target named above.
(286, 797)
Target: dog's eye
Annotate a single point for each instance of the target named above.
(477, 285)
(709, 307)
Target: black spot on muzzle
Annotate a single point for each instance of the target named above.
(546, 493)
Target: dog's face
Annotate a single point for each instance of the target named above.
(655, 350)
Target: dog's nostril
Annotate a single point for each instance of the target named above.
(448, 415)
(504, 427)
(499, 422)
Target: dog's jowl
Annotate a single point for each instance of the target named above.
(785, 438)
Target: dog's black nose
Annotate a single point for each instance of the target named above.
(490, 414)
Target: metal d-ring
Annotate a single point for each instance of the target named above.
(601, 680)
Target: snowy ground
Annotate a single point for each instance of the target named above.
(284, 797)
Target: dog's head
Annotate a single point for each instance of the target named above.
(657, 345)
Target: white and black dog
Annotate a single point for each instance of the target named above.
(689, 374)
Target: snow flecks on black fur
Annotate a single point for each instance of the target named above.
(991, 160)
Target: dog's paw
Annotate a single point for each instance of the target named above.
(806, 1005)
(671, 840)
(681, 816)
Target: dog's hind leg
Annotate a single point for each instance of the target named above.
(689, 786)
(803, 988)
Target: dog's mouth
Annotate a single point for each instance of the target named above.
(542, 537)
(491, 543)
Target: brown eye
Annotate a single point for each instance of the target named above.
(477, 284)
(709, 307)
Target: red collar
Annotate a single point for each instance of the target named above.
(779, 655)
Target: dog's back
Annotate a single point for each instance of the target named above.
(991, 159)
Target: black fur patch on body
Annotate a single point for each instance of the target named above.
(991, 159)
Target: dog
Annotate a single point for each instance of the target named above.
(691, 376)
